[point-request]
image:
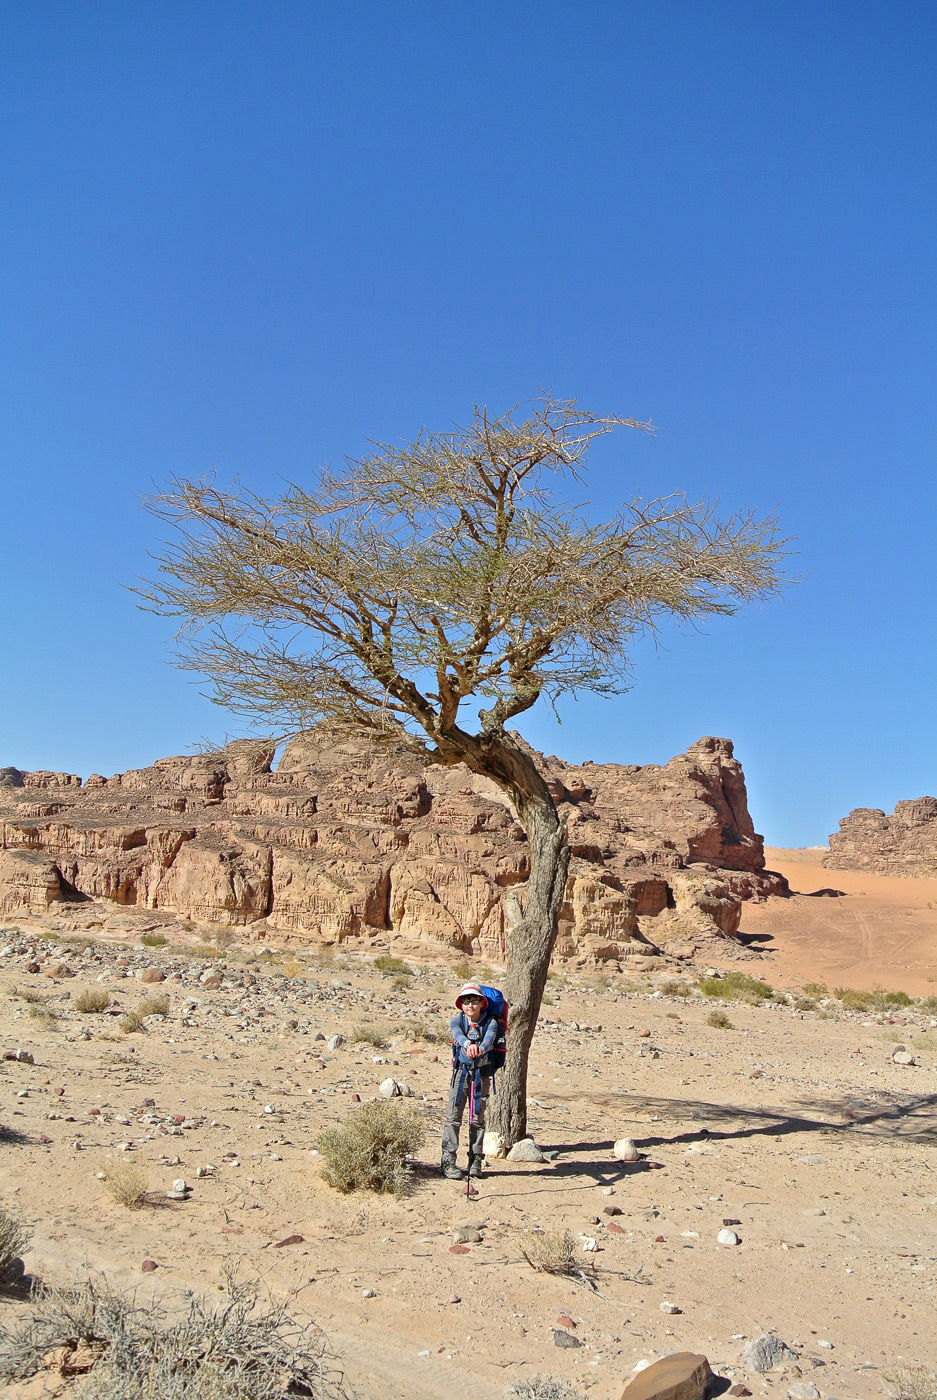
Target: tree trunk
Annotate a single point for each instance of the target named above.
(530, 945)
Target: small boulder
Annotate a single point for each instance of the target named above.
(684, 1375)
(335, 1041)
(152, 974)
(149, 1266)
(525, 1151)
(493, 1146)
(625, 1151)
(761, 1353)
(565, 1339)
(903, 1057)
(388, 1089)
(728, 1237)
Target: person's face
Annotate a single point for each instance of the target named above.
(472, 1006)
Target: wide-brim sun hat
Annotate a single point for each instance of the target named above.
(470, 990)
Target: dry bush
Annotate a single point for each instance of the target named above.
(433, 1035)
(46, 1019)
(131, 1021)
(720, 1021)
(31, 996)
(292, 968)
(911, 1382)
(542, 1388)
(369, 1151)
(815, 989)
(128, 1183)
(370, 1035)
(392, 967)
(925, 1040)
(154, 1004)
(91, 1000)
(736, 986)
(551, 1252)
(14, 1238)
(154, 940)
(672, 987)
(929, 1004)
(235, 1350)
(854, 1000)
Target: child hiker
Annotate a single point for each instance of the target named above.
(474, 1032)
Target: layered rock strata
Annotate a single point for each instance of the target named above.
(345, 843)
(904, 843)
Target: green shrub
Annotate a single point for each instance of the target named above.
(91, 1000)
(929, 1004)
(898, 999)
(719, 1020)
(392, 966)
(854, 1000)
(736, 986)
(154, 940)
(369, 1151)
(815, 989)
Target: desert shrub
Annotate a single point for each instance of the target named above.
(736, 986)
(804, 1004)
(551, 1252)
(44, 1016)
(815, 989)
(925, 1040)
(128, 1183)
(203, 950)
(369, 1151)
(370, 1035)
(853, 1000)
(235, 1350)
(14, 1238)
(719, 1020)
(401, 983)
(433, 1035)
(154, 1004)
(672, 987)
(391, 967)
(911, 1382)
(897, 999)
(929, 1004)
(154, 940)
(468, 973)
(542, 1388)
(292, 968)
(131, 1021)
(91, 1000)
(31, 996)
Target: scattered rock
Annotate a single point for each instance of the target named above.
(454, 1298)
(334, 1042)
(459, 1249)
(368, 1293)
(761, 1353)
(612, 1210)
(13, 1272)
(803, 1390)
(149, 1266)
(493, 1146)
(565, 1339)
(670, 1308)
(684, 1375)
(152, 974)
(564, 1321)
(739, 1389)
(290, 1239)
(728, 1237)
(625, 1150)
(525, 1151)
(388, 1088)
(468, 1235)
(903, 1057)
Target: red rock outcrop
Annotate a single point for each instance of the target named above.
(345, 842)
(903, 844)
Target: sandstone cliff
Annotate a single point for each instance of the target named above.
(903, 844)
(343, 842)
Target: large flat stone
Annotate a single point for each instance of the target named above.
(684, 1375)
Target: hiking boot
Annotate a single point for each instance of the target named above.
(476, 1168)
(451, 1172)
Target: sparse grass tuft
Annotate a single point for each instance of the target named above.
(815, 989)
(154, 940)
(235, 1350)
(925, 1040)
(929, 1004)
(911, 1382)
(542, 1388)
(91, 1000)
(131, 1021)
(853, 1000)
(14, 1239)
(392, 967)
(128, 1183)
(552, 1252)
(736, 986)
(369, 1151)
(468, 973)
(433, 1035)
(402, 983)
(719, 1020)
(897, 999)
(674, 988)
(154, 1004)
(31, 996)
(370, 1035)
(46, 1019)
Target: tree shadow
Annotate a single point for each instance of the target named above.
(13, 1135)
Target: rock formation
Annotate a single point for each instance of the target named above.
(903, 844)
(343, 842)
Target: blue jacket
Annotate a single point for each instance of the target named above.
(487, 1034)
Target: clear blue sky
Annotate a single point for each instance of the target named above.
(257, 235)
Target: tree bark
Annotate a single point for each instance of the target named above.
(495, 754)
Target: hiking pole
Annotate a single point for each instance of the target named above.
(471, 1155)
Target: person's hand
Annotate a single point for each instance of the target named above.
(473, 1051)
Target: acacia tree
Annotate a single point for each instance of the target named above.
(430, 593)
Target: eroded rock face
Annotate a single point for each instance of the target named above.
(344, 842)
(904, 843)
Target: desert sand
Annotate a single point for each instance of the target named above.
(798, 1125)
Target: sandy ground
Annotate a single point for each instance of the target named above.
(797, 1125)
(881, 930)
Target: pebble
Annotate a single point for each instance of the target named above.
(827, 1346)
(149, 1266)
(368, 1293)
(562, 1338)
(625, 1150)
(728, 1237)
(334, 1042)
(608, 1190)
(454, 1298)
(803, 1390)
(761, 1353)
(670, 1308)
(903, 1057)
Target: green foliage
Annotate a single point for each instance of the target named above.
(854, 1000)
(719, 1020)
(898, 999)
(815, 989)
(91, 1000)
(154, 940)
(392, 967)
(736, 986)
(929, 1004)
(369, 1151)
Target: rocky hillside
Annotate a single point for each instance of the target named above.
(904, 843)
(371, 847)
